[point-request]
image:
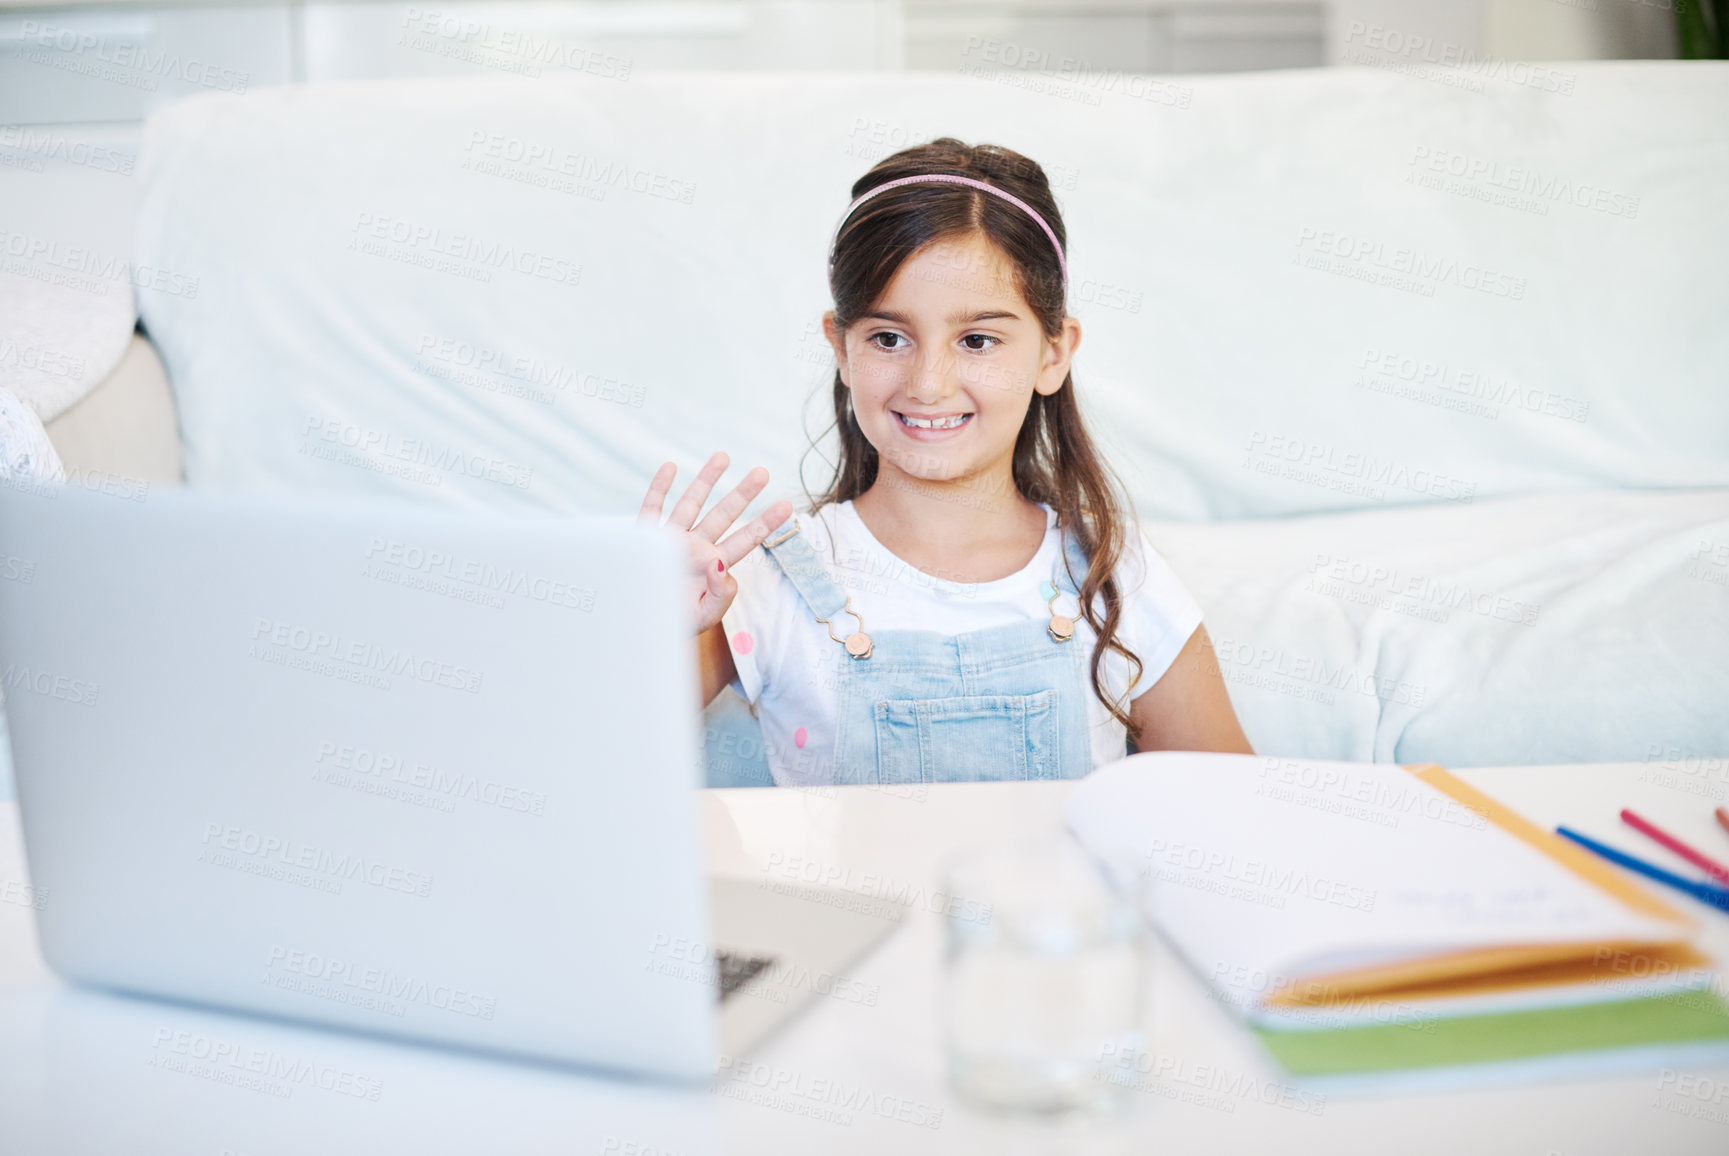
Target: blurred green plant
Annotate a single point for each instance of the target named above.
(1703, 26)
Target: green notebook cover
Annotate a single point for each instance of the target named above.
(1687, 1017)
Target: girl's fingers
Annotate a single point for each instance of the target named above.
(690, 504)
(724, 513)
(649, 515)
(727, 510)
(747, 537)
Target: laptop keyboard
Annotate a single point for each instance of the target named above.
(737, 970)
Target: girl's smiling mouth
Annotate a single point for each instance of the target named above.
(931, 427)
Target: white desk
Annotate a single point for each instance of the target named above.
(86, 1073)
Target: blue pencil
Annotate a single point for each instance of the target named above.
(1704, 892)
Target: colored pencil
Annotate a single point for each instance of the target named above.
(1645, 827)
(1704, 892)
(1723, 817)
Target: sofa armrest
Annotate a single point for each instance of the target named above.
(125, 426)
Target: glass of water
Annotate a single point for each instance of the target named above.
(1046, 976)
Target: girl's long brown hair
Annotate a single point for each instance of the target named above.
(1055, 461)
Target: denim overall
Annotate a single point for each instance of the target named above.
(1004, 702)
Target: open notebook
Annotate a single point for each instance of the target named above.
(1372, 917)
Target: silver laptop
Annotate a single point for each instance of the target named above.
(404, 770)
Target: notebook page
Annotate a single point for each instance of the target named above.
(1270, 870)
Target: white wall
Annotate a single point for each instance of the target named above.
(73, 62)
(1125, 35)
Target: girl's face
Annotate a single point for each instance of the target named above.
(943, 368)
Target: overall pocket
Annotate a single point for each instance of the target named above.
(972, 738)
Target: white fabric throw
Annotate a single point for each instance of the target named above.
(25, 451)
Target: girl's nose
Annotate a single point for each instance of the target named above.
(932, 379)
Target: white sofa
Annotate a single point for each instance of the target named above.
(1418, 379)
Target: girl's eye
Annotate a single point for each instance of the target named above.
(881, 337)
(981, 337)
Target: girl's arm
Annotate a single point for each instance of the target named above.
(1188, 709)
(714, 662)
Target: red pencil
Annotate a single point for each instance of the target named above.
(1723, 817)
(1710, 866)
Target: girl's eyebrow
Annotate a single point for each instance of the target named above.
(954, 319)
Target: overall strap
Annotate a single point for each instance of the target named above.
(1078, 563)
(787, 545)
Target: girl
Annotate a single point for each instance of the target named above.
(968, 599)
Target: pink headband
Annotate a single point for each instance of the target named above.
(954, 179)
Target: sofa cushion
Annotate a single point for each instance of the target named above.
(1302, 291)
(1558, 628)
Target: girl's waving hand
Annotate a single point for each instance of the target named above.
(712, 587)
